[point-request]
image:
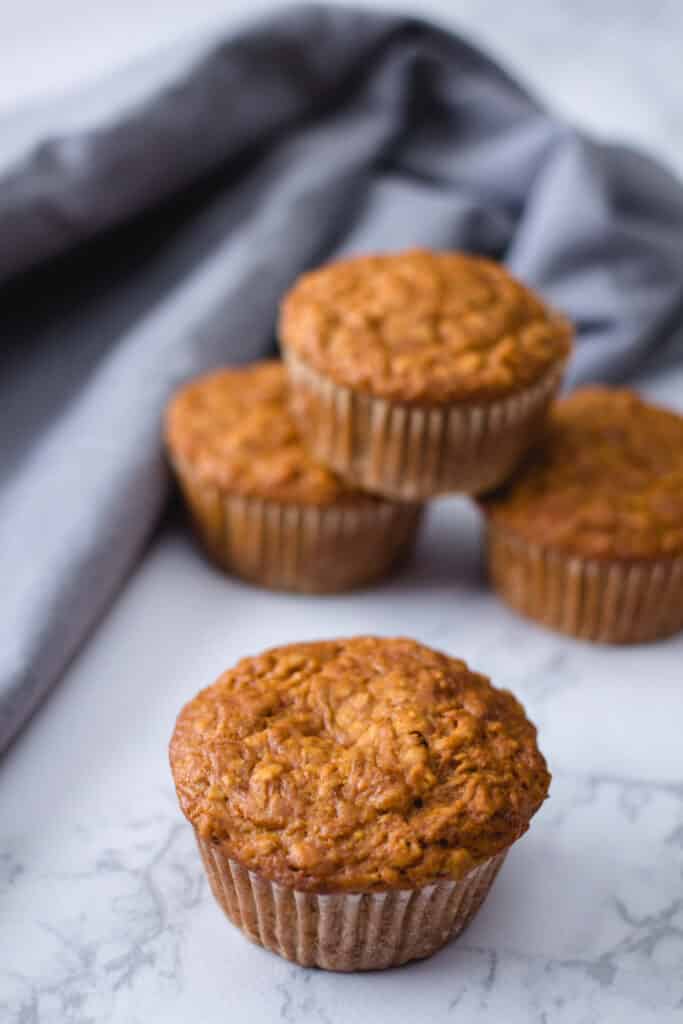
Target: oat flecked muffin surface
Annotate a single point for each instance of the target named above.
(232, 426)
(357, 766)
(421, 372)
(263, 507)
(423, 326)
(588, 536)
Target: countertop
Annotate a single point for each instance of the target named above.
(105, 914)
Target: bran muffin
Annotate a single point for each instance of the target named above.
(419, 373)
(262, 507)
(588, 537)
(354, 799)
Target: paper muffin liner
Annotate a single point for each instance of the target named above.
(309, 548)
(411, 452)
(346, 931)
(601, 600)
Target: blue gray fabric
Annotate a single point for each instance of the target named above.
(147, 232)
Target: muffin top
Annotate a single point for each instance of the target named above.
(605, 482)
(357, 764)
(233, 428)
(423, 326)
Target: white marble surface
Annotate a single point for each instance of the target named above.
(105, 915)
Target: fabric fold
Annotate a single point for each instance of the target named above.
(155, 243)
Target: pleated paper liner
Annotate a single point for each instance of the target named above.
(309, 548)
(411, 452)
(601, 600)
(346, 931)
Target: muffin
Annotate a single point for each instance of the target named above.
(354, 799)
(262, 507)
(419, 373)
(588, 537)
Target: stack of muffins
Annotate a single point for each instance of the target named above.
(354, 799)
(415, 374)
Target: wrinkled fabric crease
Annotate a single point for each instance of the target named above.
(154, 242)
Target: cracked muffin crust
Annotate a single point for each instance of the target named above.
(606, 481)
(263, 508)
(362, 764)
(233, 426)
(423, 326)
(588, 537)
(420, 373)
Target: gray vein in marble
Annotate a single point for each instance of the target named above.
(157, 886)
(146, 922)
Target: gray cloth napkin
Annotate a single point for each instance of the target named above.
(148, 230)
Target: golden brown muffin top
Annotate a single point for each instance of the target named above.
(234, 430)
(357, 764)
(605, 482)
(422, 326)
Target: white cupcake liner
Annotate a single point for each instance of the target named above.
(601, 600)
(309, 548)
(411, 452)
(346, 931)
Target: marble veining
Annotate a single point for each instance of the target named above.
(584, 924)
(105, 914)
